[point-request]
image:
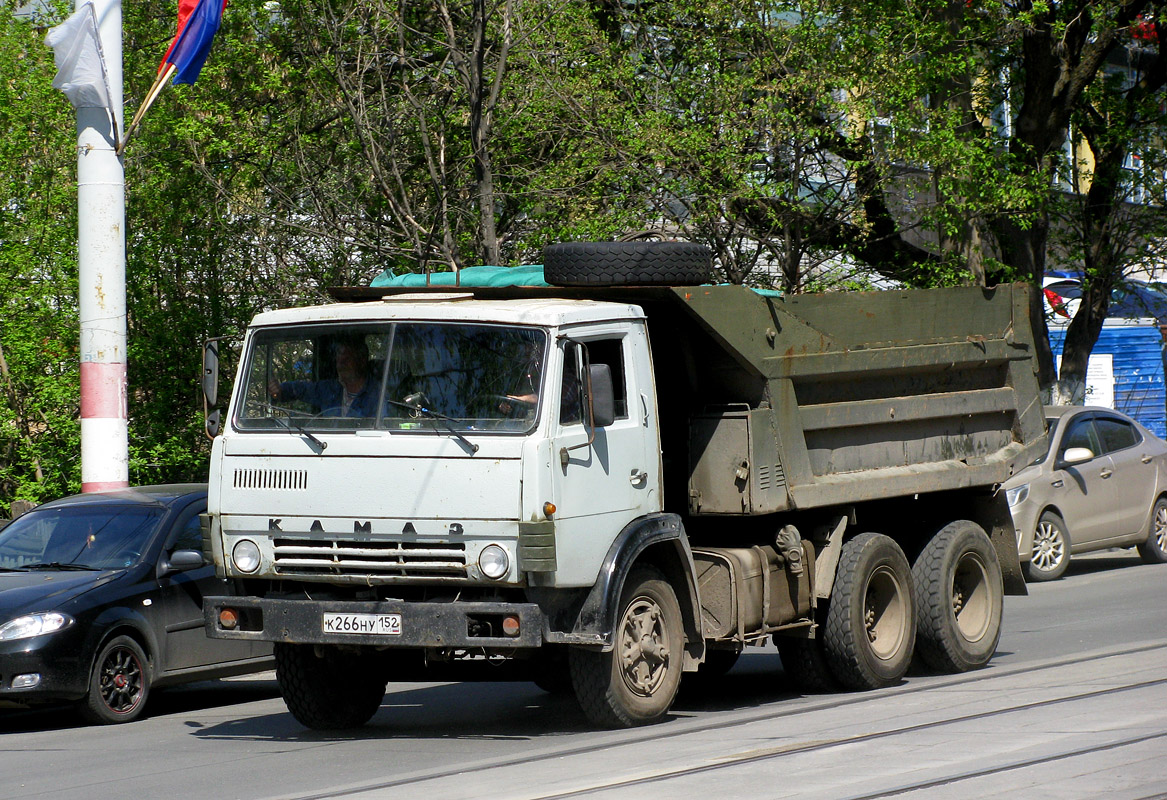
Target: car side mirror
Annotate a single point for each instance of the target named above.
(1077, 455)
(183, 561)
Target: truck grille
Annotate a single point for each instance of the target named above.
(370, 560)
(289, 479)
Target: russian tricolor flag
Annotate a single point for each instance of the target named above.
(198, 21)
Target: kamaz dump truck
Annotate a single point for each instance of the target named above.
(603, 484)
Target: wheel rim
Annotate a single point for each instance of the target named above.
(1049, 548)
(120, 681)
(972, 602)
(885, 612)
(644, 647)
(1160, 532)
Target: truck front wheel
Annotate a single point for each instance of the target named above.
(959, 599)
(329, 690)
(870, 631)
(636, 681)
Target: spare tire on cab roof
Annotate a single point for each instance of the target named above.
(627, 264)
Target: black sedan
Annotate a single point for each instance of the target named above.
(101, 600)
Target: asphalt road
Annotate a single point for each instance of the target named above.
(1074, 705)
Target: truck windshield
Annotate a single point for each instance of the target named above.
(404, 376)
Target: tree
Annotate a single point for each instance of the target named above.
(1110, 224)
(39, 329)
(327, 141)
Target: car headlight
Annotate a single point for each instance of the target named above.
(1017, 495)
(246, 556)
(30, 625)
(493, 561)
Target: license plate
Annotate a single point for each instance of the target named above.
(375, 624)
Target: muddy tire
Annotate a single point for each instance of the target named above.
(635, 682)
(627, 264)
(119, 683)
(805, 663)
(871, 630)
(1154, 549)
(330, 691)
(959, 599)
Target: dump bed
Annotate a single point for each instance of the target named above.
(772, 403)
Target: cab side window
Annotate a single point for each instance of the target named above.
(599, 351)
(570, 412)
(611, 352)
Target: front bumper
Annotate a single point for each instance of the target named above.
(56, 657)
(423, 624)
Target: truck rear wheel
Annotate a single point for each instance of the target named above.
(959, 598)
(805, 662)
(871, 630)
(627, 263)
(635, 682)
(332, 690)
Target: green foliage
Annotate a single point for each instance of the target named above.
(813, 146)
(39, 408)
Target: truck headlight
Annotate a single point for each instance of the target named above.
(29, 625)
(246, 556)
(494, 561)
(1017, 495)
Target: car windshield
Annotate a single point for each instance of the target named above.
(97, 536)
(405, 376)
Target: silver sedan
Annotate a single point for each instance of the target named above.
(1102, 484)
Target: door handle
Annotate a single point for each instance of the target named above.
(638, 477)
(1058, 484)
(1106, 473)
(1146, 459)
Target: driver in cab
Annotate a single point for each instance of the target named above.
(350, 394)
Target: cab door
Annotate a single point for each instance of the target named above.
(604, 478)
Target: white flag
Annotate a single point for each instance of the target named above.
(80, 64)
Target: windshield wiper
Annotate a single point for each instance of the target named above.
(290, 425)
(59, 565)
(414, 402)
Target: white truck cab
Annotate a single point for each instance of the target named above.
(472, 431)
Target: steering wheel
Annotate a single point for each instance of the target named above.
(508, 405)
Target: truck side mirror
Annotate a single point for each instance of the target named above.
(211, 372)
(601, 395)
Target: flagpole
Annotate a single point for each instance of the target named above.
(151, 96)
(101, 261)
